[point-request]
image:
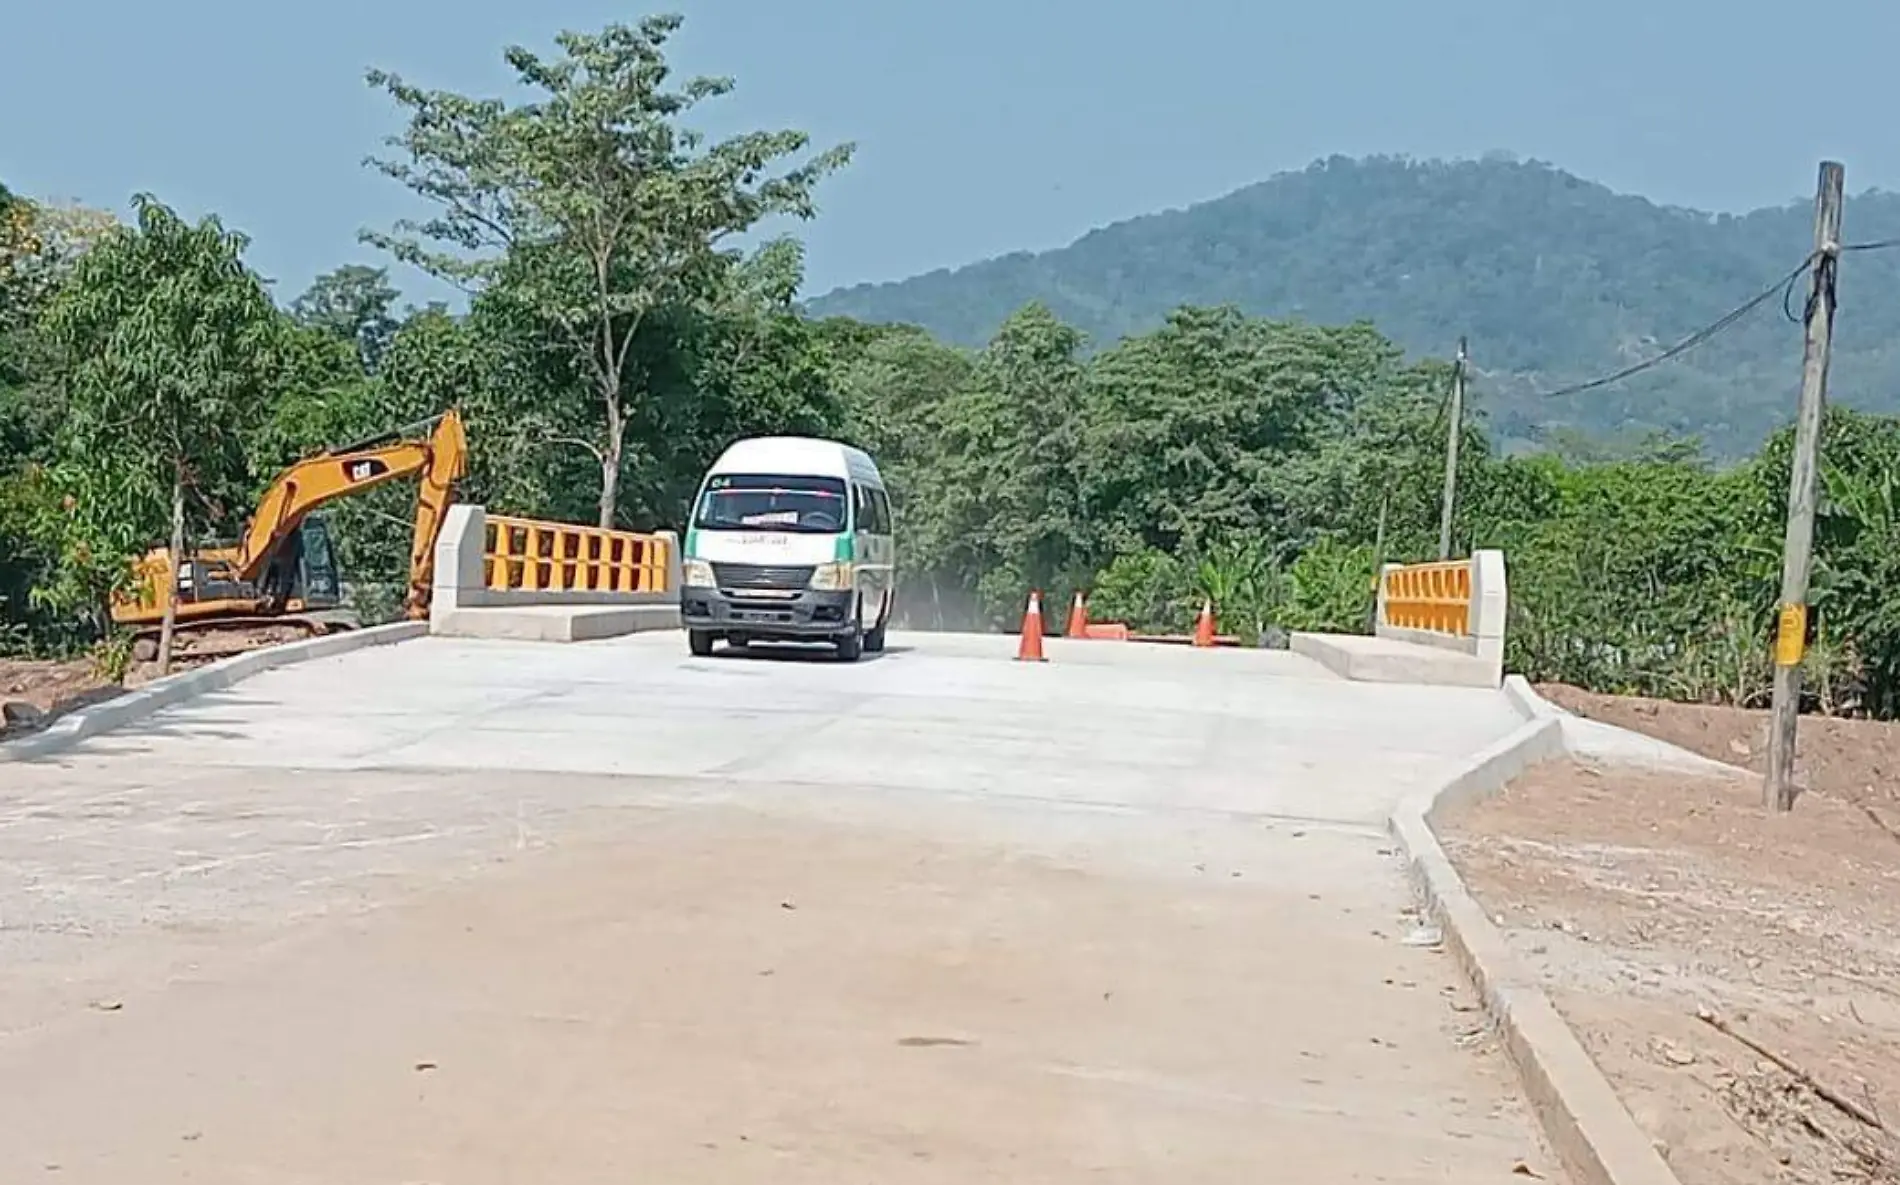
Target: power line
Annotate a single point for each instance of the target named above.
(1779, 288)
(1787, 294)
(1785, 287)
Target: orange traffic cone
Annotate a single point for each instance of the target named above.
(1030, 648)
(1078, 619)
(1204, 628)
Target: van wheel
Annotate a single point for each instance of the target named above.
(700, 642)
(874, 637)
(850, 646)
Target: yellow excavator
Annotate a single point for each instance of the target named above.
(283, 571)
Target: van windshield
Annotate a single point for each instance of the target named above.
(772, 502)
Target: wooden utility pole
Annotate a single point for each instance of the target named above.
(1791, 627)
(1454, 433)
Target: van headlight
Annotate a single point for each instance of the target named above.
(696, 574)
(833, 577)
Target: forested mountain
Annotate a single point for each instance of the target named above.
(1553, 278)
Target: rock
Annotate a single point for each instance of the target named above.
(16, 713)
(1675, 1055)
(1424, 936)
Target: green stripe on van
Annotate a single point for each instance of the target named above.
(846, 549)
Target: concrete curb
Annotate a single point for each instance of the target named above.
(1528, 703)
(554, 623)
(1593, 740)
(1588, 1126)
(75, 727)
(1365, 659)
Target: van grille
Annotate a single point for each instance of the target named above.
(761, 576)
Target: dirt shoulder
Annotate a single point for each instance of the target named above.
(35, 692)
(1643, 899)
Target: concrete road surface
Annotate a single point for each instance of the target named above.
(466, 912)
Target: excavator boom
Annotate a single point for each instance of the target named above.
(308, 485)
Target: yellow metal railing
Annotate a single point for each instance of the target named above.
(1432, 597)
(526, 555)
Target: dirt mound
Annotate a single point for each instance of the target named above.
(35, 692)
(1856, 760)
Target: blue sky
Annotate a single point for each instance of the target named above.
(983, 126)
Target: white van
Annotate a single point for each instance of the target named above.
(790, 540)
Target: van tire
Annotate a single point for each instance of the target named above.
(874, 637)
(700, 642)
(850, 646)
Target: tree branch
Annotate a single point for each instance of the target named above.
(589, 445)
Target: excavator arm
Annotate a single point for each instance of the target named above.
(448, 464)
(441, 457)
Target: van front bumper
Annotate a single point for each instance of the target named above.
(807, 613)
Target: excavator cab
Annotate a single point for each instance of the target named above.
(300, 587)
(321, 576)
(303, 574)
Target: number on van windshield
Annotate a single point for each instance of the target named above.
(770, 502)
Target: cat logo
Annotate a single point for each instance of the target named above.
(363, 470)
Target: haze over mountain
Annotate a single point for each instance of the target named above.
(1554, 279)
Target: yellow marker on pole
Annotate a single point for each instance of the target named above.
(1791, 636)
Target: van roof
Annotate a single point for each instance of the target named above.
(798, 454)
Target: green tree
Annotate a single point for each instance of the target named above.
(891, 378)
(167, 341)
(16, 315)
(27, 415)
(592, 199)
(739, 363)
(355, 303)
(893, 382)
(1006, 491)
(1376, 473)
(1206, 428)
